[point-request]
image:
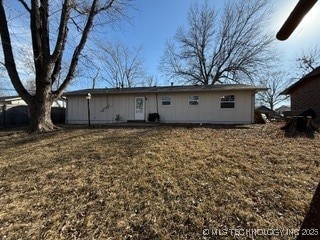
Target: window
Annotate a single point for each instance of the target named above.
(166, 101)
(227, 101)
(193, 100)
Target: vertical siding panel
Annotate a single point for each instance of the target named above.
(104, 108)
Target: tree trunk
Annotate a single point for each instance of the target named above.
(310, 228)
(40, 115)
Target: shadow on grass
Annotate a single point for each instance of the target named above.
(289, 133)
(300, 135)
(160, 125)
(145, 183)
(18, 137)
(71, 145)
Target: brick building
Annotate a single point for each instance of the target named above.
(305, 93)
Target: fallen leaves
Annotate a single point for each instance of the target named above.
(153, 183)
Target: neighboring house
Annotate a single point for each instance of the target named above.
(283, 110)
(221, 104)
(14, 111)
(12, 100)
(305, 93)
(267, 111)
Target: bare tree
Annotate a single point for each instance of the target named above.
(24, 61)
(305, 62)
(150, 81)
(50, 24)
(309, 60)
(30, 86)
(123, 66)
(276, 82)
(215, 50)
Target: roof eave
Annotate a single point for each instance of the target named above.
(285, 92)
(312, 74)
(93, 92)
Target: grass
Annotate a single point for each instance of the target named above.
(162, 182)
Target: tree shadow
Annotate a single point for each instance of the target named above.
(300, 134)
(207, 125)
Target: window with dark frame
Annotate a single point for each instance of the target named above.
(193, 100)
(227, 101)
(166, 101)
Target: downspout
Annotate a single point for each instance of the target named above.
(145, 108)
(66, 112)
(157, 103)
(253, 102)
(4, 110)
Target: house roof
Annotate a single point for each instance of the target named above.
(166, 89)
(303, 80)
(264, 109)
(9, 98)
(17, 100)
(283, 108)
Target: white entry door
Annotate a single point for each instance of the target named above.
(139, 108)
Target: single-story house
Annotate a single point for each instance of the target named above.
(18, 101)
(218, 104)
(283, 110)
(267, 111)
(14, 111)
(305, 93)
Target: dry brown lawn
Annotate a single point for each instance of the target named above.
(163, 182)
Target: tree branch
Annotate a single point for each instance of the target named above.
(106, 7)
(63, 31)
(238, 47)
(25, 5)
(78, 49)
(9, 58)
(35, 23)
(56, 69)
(44, 35)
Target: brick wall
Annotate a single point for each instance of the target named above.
(306, 97)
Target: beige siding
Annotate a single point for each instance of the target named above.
(208, 110)
(76, 110)
(104, 109)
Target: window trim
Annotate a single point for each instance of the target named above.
(169, 101)
(195, 100)
(226, 103)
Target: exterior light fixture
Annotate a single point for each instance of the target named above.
(88, 97)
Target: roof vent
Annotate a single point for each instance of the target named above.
(171, 84)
